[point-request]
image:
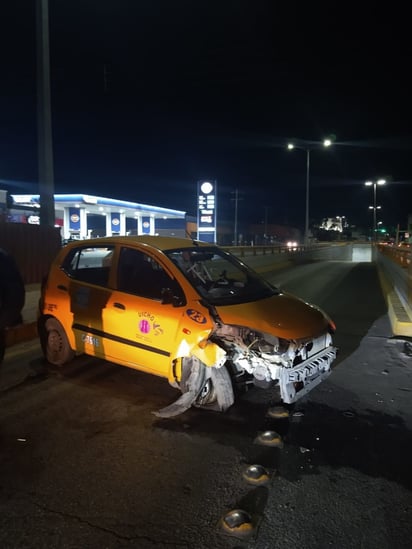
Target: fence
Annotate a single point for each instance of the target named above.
(32, 246)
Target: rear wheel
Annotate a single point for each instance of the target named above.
(54, 342)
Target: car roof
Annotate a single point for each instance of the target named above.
(159, 242)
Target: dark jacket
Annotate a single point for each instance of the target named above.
(12, 291)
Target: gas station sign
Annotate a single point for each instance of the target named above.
(206, 210)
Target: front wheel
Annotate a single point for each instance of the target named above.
(54, 342)
(216, 390)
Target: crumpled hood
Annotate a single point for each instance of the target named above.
(282, 315)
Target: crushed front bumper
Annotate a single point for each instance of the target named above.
(296, 382)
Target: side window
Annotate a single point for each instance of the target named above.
(90, 265)
(140, 274)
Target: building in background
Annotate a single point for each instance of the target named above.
(83, 216)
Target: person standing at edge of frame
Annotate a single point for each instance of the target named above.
(12, 297)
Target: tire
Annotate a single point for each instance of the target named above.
(216, 390)
(54, 342)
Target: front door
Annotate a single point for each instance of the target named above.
(140, 330)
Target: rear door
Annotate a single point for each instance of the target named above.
(87, 292)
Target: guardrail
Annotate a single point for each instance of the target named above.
(396, 262)
(398, 254)
(243, 251)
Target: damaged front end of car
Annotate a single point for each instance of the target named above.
(244, 358)
(297, 366)
(255, 335)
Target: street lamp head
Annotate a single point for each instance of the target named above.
(309, 145)
(381, 181)
(368, 183)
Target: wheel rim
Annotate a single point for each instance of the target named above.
(207, 394)
(54, 342)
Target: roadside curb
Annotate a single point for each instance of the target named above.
(400, 317)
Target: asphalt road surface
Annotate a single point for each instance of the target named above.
(85, 464)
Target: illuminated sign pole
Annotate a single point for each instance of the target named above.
(206, 211)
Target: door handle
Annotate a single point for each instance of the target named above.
(119, 305)
(62, 287)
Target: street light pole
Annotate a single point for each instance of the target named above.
(236, 200)
(375, 207)
(306, 236)
(308, 148)
(374, 212)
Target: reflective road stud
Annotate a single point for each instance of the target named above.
(269, 438)
(256, 475)
(237, 523)
(278, 412)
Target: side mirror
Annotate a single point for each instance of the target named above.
(169, 298)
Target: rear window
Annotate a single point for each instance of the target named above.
(90, 265)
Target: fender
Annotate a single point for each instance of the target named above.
(206, 351)
(209, 353)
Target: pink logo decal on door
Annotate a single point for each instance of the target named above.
(144, 326)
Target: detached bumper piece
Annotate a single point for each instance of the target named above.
(296, 382)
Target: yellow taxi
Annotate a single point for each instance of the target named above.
(184, 310)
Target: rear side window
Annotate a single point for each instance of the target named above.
(90, 265)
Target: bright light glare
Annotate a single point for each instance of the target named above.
(381, 182)
(291, 146)
(327, 143)
(368, 183)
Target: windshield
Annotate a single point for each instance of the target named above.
(219, 276)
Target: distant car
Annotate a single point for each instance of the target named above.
(186, 311)
(292, 244)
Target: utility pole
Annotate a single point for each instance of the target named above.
(44, 124)
(236, 199)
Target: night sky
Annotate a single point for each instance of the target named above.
(150, 96)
